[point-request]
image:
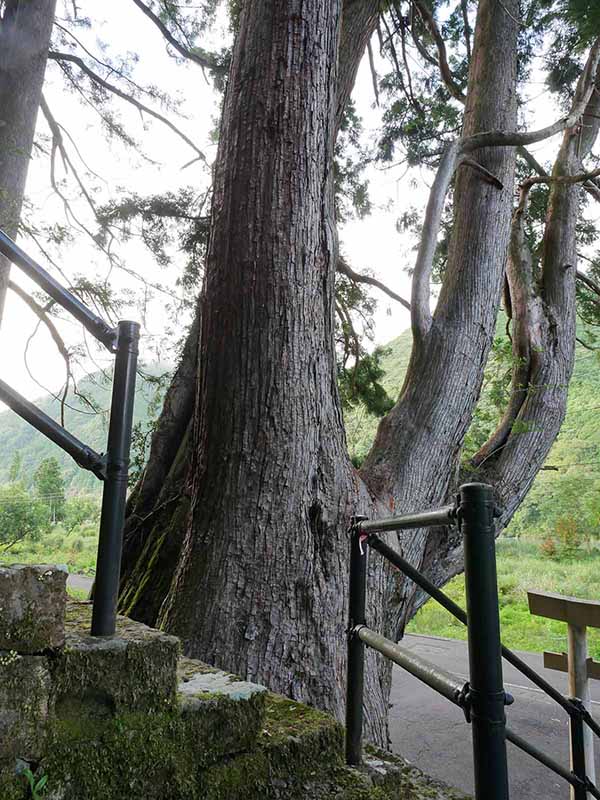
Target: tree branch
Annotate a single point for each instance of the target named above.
(373, 72)
(41, 314)
(201, 58)
(526, 313)
(445, 70)
(589, 283)
(142, 107)
(465, 16)
(591, 188)
(345, 269)
(513, 138)
(420, 297)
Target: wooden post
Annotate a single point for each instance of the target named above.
(579, 686)
(578, 614)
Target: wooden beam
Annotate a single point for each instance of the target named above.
(560, 662)
(582, 613)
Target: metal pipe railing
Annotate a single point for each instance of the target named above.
(425, 519)
(533, 751)
(83, 455)
(113, 468)
(93, 323)
(112, 519)
(356, 658)
(486, 689)
(484, 698)
(444, 683)
(459, 613)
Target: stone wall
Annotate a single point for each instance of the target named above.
(127, 716)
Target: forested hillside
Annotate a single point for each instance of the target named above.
(86, 418)
(568, 486)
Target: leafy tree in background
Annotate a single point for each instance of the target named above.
(79, 510)
(21, 515)
(49, 487)
(14, 473)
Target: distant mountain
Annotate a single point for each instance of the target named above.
(572, 488)
(17, 436)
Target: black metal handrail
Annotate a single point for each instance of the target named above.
(483, 697)
(112, 468)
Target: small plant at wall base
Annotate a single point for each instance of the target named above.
(37, 786)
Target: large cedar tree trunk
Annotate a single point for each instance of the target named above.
(25, 30)
(236, 537)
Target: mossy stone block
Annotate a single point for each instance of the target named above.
(296, 747)
(134, 670)
(32, 608)
(25, 701)
(221, 712)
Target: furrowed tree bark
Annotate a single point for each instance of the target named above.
(544, 314)
(153, 534)
(260, 489)
(260, 587)
(25, 30)
(414, 460)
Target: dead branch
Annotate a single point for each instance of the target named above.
(345, 269)
(43, 317)
(374, 78)
(485, 173)
(445, 70)
(204, 60)
(420, 298)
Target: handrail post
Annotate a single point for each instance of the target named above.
(486, 690)
(356, 648)
(577, 743)
(110, 544)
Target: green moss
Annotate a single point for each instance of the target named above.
(135, 670)
(12, 787)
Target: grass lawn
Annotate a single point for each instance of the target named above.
(522, 567)
(77, 550)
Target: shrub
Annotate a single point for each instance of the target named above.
(567, 532)
(548, 547)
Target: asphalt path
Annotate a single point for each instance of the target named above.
(432, 733)
(81, 582)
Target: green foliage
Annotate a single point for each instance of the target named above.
(520, 568)
(16, 464)
(21, 515)
(77, 549)
(361, 384)
(49, 486)
(37, 786)
(79, 510)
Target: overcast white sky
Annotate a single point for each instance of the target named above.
(372, 243)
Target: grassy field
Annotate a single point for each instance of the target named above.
(76, 550)
(522, 567)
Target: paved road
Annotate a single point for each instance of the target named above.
(81, 582)
(433, 734)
